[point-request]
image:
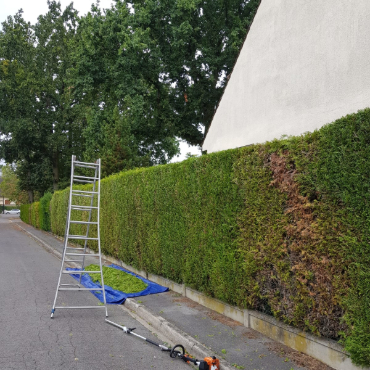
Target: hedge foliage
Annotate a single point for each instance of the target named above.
(282, 227)
(25, 213)
(35, 214)
(44, 212)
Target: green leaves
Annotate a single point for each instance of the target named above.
(9, 186)
(172, 54)
(44, 212)
(37, 119)
(116, 73)
(342, 176)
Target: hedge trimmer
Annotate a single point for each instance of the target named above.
(178, 351)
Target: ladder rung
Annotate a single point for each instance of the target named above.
(84, 222)
(82, 195)
(58, 307)
(77, 249)
(86, 163)
(86, 166)
(85, 177)
(84, 181)
(74, 261)
(82, 254)
(81, 237)
(80, 272)
(82, 208)
(80, 288)
(69, 285)
(85, 191)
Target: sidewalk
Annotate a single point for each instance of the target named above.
(202, 331)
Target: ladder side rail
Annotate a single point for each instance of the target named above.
(99, 246)
(89, 220)
(65, 236)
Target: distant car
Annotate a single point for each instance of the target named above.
(13, 212)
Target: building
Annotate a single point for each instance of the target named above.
(303, 64)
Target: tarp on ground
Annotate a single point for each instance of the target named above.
(115, 296)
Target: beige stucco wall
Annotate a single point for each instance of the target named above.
(303, 64)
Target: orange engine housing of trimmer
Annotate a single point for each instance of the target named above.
(213, 363)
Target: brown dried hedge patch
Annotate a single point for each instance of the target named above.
(318, 276)
(294, 264)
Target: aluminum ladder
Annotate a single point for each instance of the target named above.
(79, 254)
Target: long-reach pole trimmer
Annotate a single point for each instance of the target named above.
(209, 363)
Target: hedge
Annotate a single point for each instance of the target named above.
(44, 212)
(282, 227)
(35, 214)
(38, 214)
(25, 213)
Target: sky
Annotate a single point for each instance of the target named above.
(33, 8)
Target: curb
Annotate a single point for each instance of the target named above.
(173, 333)
(325, 350)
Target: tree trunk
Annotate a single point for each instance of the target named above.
(30, 192)
(55, 170)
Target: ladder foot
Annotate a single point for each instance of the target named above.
(52, 315)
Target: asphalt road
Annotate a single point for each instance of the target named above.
(73, 339)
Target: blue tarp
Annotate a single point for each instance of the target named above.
(115, 296)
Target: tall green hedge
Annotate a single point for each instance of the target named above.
(44, 212)
(35, 214)
(342, 182)
(25, 213)
(282, 227)
(169, 219)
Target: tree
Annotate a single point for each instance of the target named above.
(121, 85)
(162, 65)
(19, 139)
(115, 79)
(37, 120)
(9, 186)
(197, 42)
(55, 35)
